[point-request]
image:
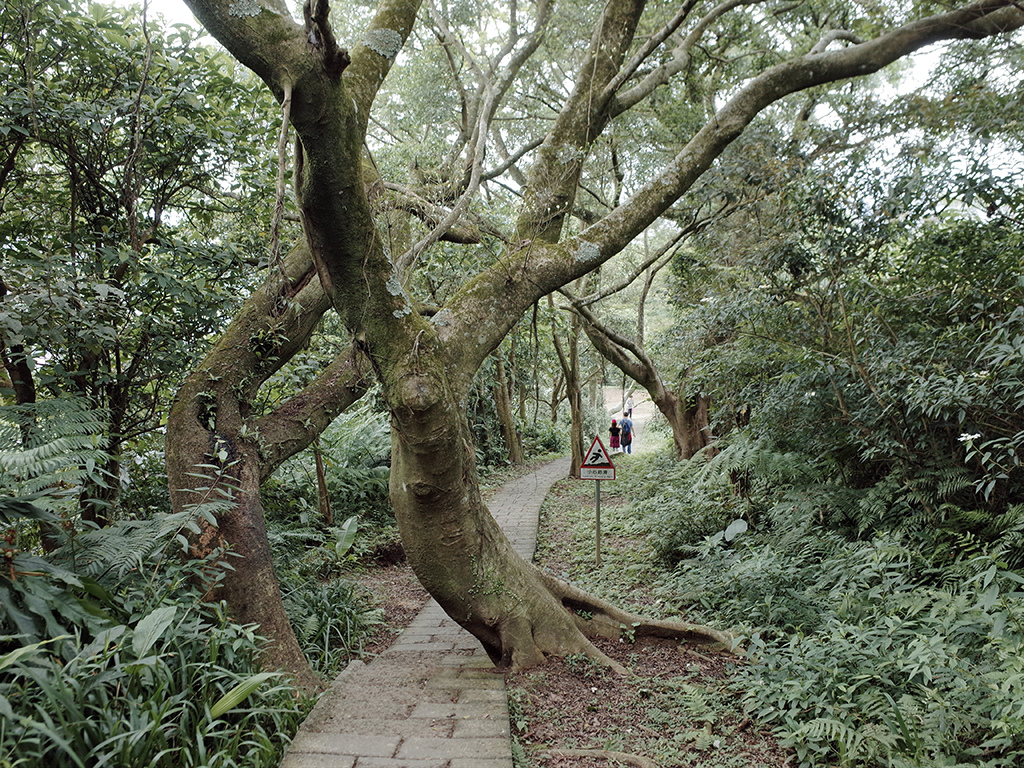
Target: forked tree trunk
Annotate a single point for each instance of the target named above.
(219, 452)
(218, 471)
(426, 367)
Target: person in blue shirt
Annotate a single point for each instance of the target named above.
(626, 436)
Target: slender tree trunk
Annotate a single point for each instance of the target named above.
(570, 363)
(323, 496)
(557, 396)
(506, 420)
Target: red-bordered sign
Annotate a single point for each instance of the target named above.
(597, 464)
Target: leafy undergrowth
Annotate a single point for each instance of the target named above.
(678, 707)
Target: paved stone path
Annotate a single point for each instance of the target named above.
(433, 699)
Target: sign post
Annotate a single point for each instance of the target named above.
(597, 466)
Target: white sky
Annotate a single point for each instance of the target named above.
(175, 11)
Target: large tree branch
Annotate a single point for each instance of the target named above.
(622, 225)
(681, 57)
(616, 348)
(375, 53)
(552, 180)
(649, 47)
(259, 33)
(467, 231)
(533, 268)
(661, 256)
(295, 424)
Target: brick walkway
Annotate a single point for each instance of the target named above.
(433, 699)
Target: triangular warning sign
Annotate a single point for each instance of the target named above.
(597, 456)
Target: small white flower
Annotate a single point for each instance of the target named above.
(966, 438)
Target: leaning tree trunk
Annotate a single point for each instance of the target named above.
(219, 452)
(688, 418)
(426, 367)
(459, 554)
(453, 543)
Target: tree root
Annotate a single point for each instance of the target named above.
(623, 757)
(599, 618)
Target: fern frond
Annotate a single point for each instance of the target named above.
(745, 454)
(50, 448)
(128, 545)
(847, 739)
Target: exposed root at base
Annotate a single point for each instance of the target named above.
(606, 620)
(623, 757)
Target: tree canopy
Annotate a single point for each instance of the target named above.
(726, 67)
(227, 249)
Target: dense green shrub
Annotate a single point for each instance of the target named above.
(331, 620)
(879, 483)
(857, 656)
(129, 665)
(544, 437)
(678, 520)
(902, 649)
(156, 691)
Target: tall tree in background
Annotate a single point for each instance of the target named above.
(425, 364)
(112, 137)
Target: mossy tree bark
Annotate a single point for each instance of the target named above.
(218, 450)
(425, 367)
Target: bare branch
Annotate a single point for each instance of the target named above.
(510, 159)
(620, 342)
(680, 58)
(664, 254)
(279, 192)
(464, 232)
(833, 35)
(657, 261)
(489, 99)
(648, 48)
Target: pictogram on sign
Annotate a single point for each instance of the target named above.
(597, 465)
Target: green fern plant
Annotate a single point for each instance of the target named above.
(49, 449)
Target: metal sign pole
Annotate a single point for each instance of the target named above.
(597, 536)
